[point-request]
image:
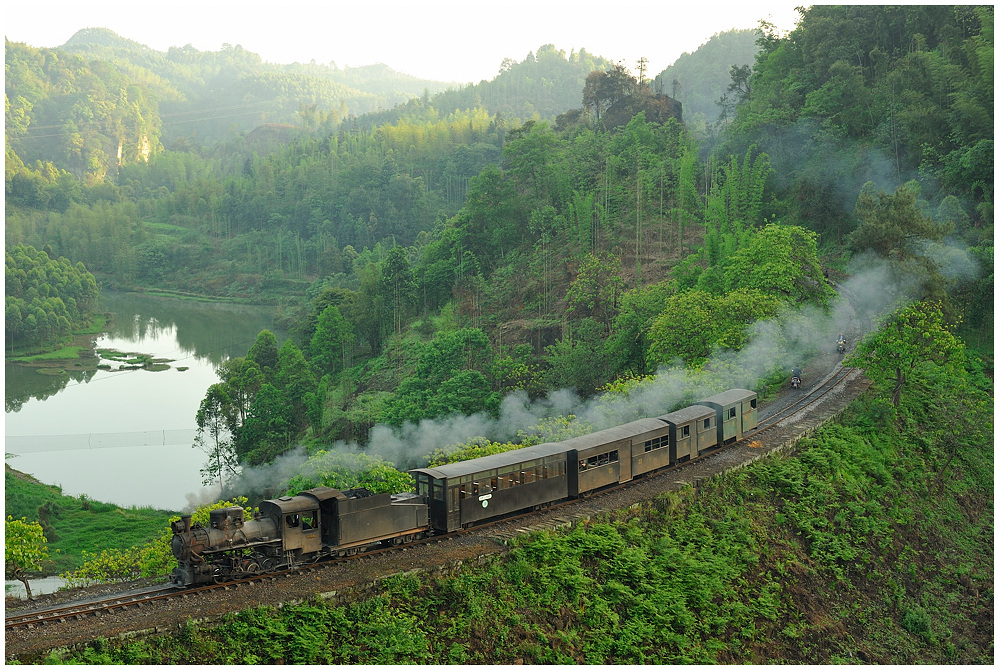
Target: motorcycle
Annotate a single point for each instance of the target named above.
(795, 382)
(841, 346)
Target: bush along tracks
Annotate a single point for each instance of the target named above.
(870, 543)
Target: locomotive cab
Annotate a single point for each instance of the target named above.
(299, 521)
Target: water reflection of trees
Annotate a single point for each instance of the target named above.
(24, 383)
(206, 331)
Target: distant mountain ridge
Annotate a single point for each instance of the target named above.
(101, 101)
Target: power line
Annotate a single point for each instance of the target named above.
(35, 444)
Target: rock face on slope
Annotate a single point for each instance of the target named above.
(658, 108)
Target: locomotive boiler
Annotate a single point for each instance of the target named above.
(326, 522)
(293, 530)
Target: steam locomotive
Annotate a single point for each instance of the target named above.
(326, 522)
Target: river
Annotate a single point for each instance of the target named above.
(126, 437)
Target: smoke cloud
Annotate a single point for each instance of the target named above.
(873, 290)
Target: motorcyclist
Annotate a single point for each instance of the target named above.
(841, 343)
(796, 377)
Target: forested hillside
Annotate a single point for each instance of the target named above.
(45, 298)
(886, 94)
(558, 227)
(700, 80)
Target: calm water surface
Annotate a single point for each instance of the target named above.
(126, 436)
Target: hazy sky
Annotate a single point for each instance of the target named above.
(437, 39)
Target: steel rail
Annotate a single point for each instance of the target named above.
(79, 610)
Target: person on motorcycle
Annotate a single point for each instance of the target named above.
(841, 343)
(795, 377)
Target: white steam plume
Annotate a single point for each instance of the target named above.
(871, 291)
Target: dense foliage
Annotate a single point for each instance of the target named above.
(74, 524)
(25, 549)
(881, 93)
(871, 544)
(562, 226)
(610, 251)
(45, 299)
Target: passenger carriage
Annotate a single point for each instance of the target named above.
(692, 431)
(736, 411)
(463, 493)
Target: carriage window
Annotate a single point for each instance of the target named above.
(731, 413)
(423, 485)
(707, 423)
(602, 459)
(438, 491)
(685, 431)
(752, 403)
(464, 490)
(292, 520)
(309, 520)
(657, 443)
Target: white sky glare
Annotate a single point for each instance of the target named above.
(435, 39)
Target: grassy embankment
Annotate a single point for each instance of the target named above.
(871, 543)
(74, 525)
(68, 349)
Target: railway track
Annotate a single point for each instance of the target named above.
(83, 609)
(571, 510)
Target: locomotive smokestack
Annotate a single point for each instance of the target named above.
(182, 526)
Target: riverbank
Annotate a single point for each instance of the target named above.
(72, 348)
(77, 524)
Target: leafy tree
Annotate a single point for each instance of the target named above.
(782, 261)
(242, 378)
(366, 308)
(639, 309)
(217, 415)
(397, 283)
(331, 341)
(912, 336)
(694, 322)
(24, 550)
(891, 224)
(347, 471)
(516, 371)
(596, 289)
(294, 377)
(580, 359)
(264, 353)
(269, 427)
(448, 379)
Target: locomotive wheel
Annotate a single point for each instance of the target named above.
(249, 567)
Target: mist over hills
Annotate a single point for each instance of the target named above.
(185, 97)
